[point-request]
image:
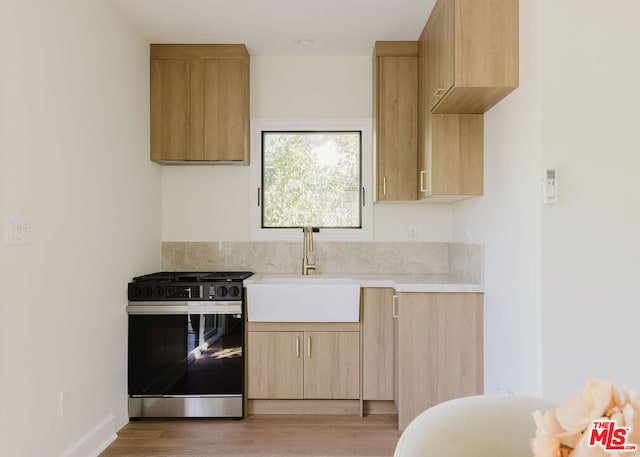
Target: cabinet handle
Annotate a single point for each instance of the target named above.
(384, 186)
(297, 347)
(394, 307)
(438, 92)
(309, 347)
(423, 175)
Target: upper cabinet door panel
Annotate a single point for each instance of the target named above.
(486, 37)
(225, 106)
(440, 51)
(472, 51)
(196, 124)
(397, 131)
(395, 81)
(170, 109)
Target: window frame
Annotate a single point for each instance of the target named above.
(259, 125)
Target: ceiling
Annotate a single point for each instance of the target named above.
(271, 27)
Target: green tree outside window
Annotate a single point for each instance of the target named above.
(311, 178)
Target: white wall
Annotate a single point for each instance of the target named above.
(74, 160)
(591, 247)
(217, 208)
(561, 302)
(507, 221)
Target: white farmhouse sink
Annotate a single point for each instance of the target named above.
(303, 299)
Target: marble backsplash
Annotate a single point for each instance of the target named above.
(467, 261)
(461, 260)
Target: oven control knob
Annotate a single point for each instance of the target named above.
(234, 291)
(222, 291)
(148, 291)
(137, 292)
(159, 291)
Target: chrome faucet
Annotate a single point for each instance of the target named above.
(307, 247)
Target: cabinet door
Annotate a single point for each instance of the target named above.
(397, 127)
(457, 145)
(226, 106)
(472, 47)
(170, 109)
(332, 365)
(440, 343)
(451, 156)
(439, 40)
(377, 344)
(275, 365)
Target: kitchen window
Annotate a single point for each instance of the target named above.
(313, 172)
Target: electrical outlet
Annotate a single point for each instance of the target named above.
(409, 233)
(503, 389)
(64, 402)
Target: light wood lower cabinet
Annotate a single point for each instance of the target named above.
(439, 341)
(418, 349)
(303, 364)
(275, 366)
(332, 365)
(377, 344)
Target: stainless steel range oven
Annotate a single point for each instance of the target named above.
(186, 338)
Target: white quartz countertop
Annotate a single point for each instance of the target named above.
(399, 282)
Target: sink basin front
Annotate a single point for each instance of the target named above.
(303, 299)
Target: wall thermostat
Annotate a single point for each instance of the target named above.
(550, 186)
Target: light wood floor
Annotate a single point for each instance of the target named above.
(263, 435)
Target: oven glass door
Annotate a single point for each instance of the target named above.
(185, 353)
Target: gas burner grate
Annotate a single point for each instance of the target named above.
(182, 277)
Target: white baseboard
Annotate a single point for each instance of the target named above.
(96, 440)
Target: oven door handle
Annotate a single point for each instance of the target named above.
(173, 308)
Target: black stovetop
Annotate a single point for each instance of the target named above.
(188, 285)
(192, 276)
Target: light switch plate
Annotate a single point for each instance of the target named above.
(17, 231)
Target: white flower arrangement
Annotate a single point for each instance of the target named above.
(583, 426)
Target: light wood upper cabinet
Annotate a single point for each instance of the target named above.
(439, 349)
(226, 117)
(377, 344)
(395, 88)
(170, 109)
(451, 156)
(438, 45)
(200, 103)
(468, 61)
(303, 364)
(472, 54)
(450, 146)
